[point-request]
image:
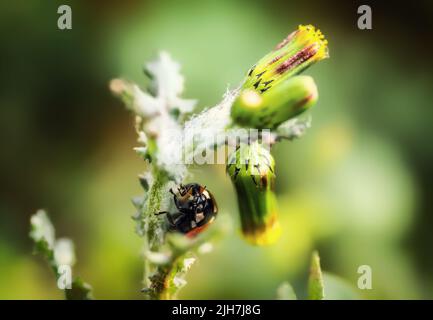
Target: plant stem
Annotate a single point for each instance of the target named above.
(151, 222)
(146, 266)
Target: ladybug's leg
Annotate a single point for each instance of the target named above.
(171, 191)
(170, 220)
(167, 214)
(176, 202)
(169, 217)
(181, 189)
(161, 212)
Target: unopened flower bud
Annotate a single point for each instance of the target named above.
(251, 169)
(271, 93)
(268, 110)
(294, 54)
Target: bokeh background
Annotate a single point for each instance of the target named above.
(358, 187)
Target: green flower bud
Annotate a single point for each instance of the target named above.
(251, 168)
(270, 109)
(294, 54)
(270, 94)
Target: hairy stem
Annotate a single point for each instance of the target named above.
(150, 221)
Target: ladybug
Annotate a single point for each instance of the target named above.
(197, 209)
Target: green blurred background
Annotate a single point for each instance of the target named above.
(358, 187)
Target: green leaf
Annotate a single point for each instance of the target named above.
(43, 234)
(338, 288)
(168, 83)
(285, 292)
(294, 128)
(80, 291)
(57, 252)
(64, 253)
(316, 290)
(42, 231)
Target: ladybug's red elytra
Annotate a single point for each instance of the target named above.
(197, 209)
